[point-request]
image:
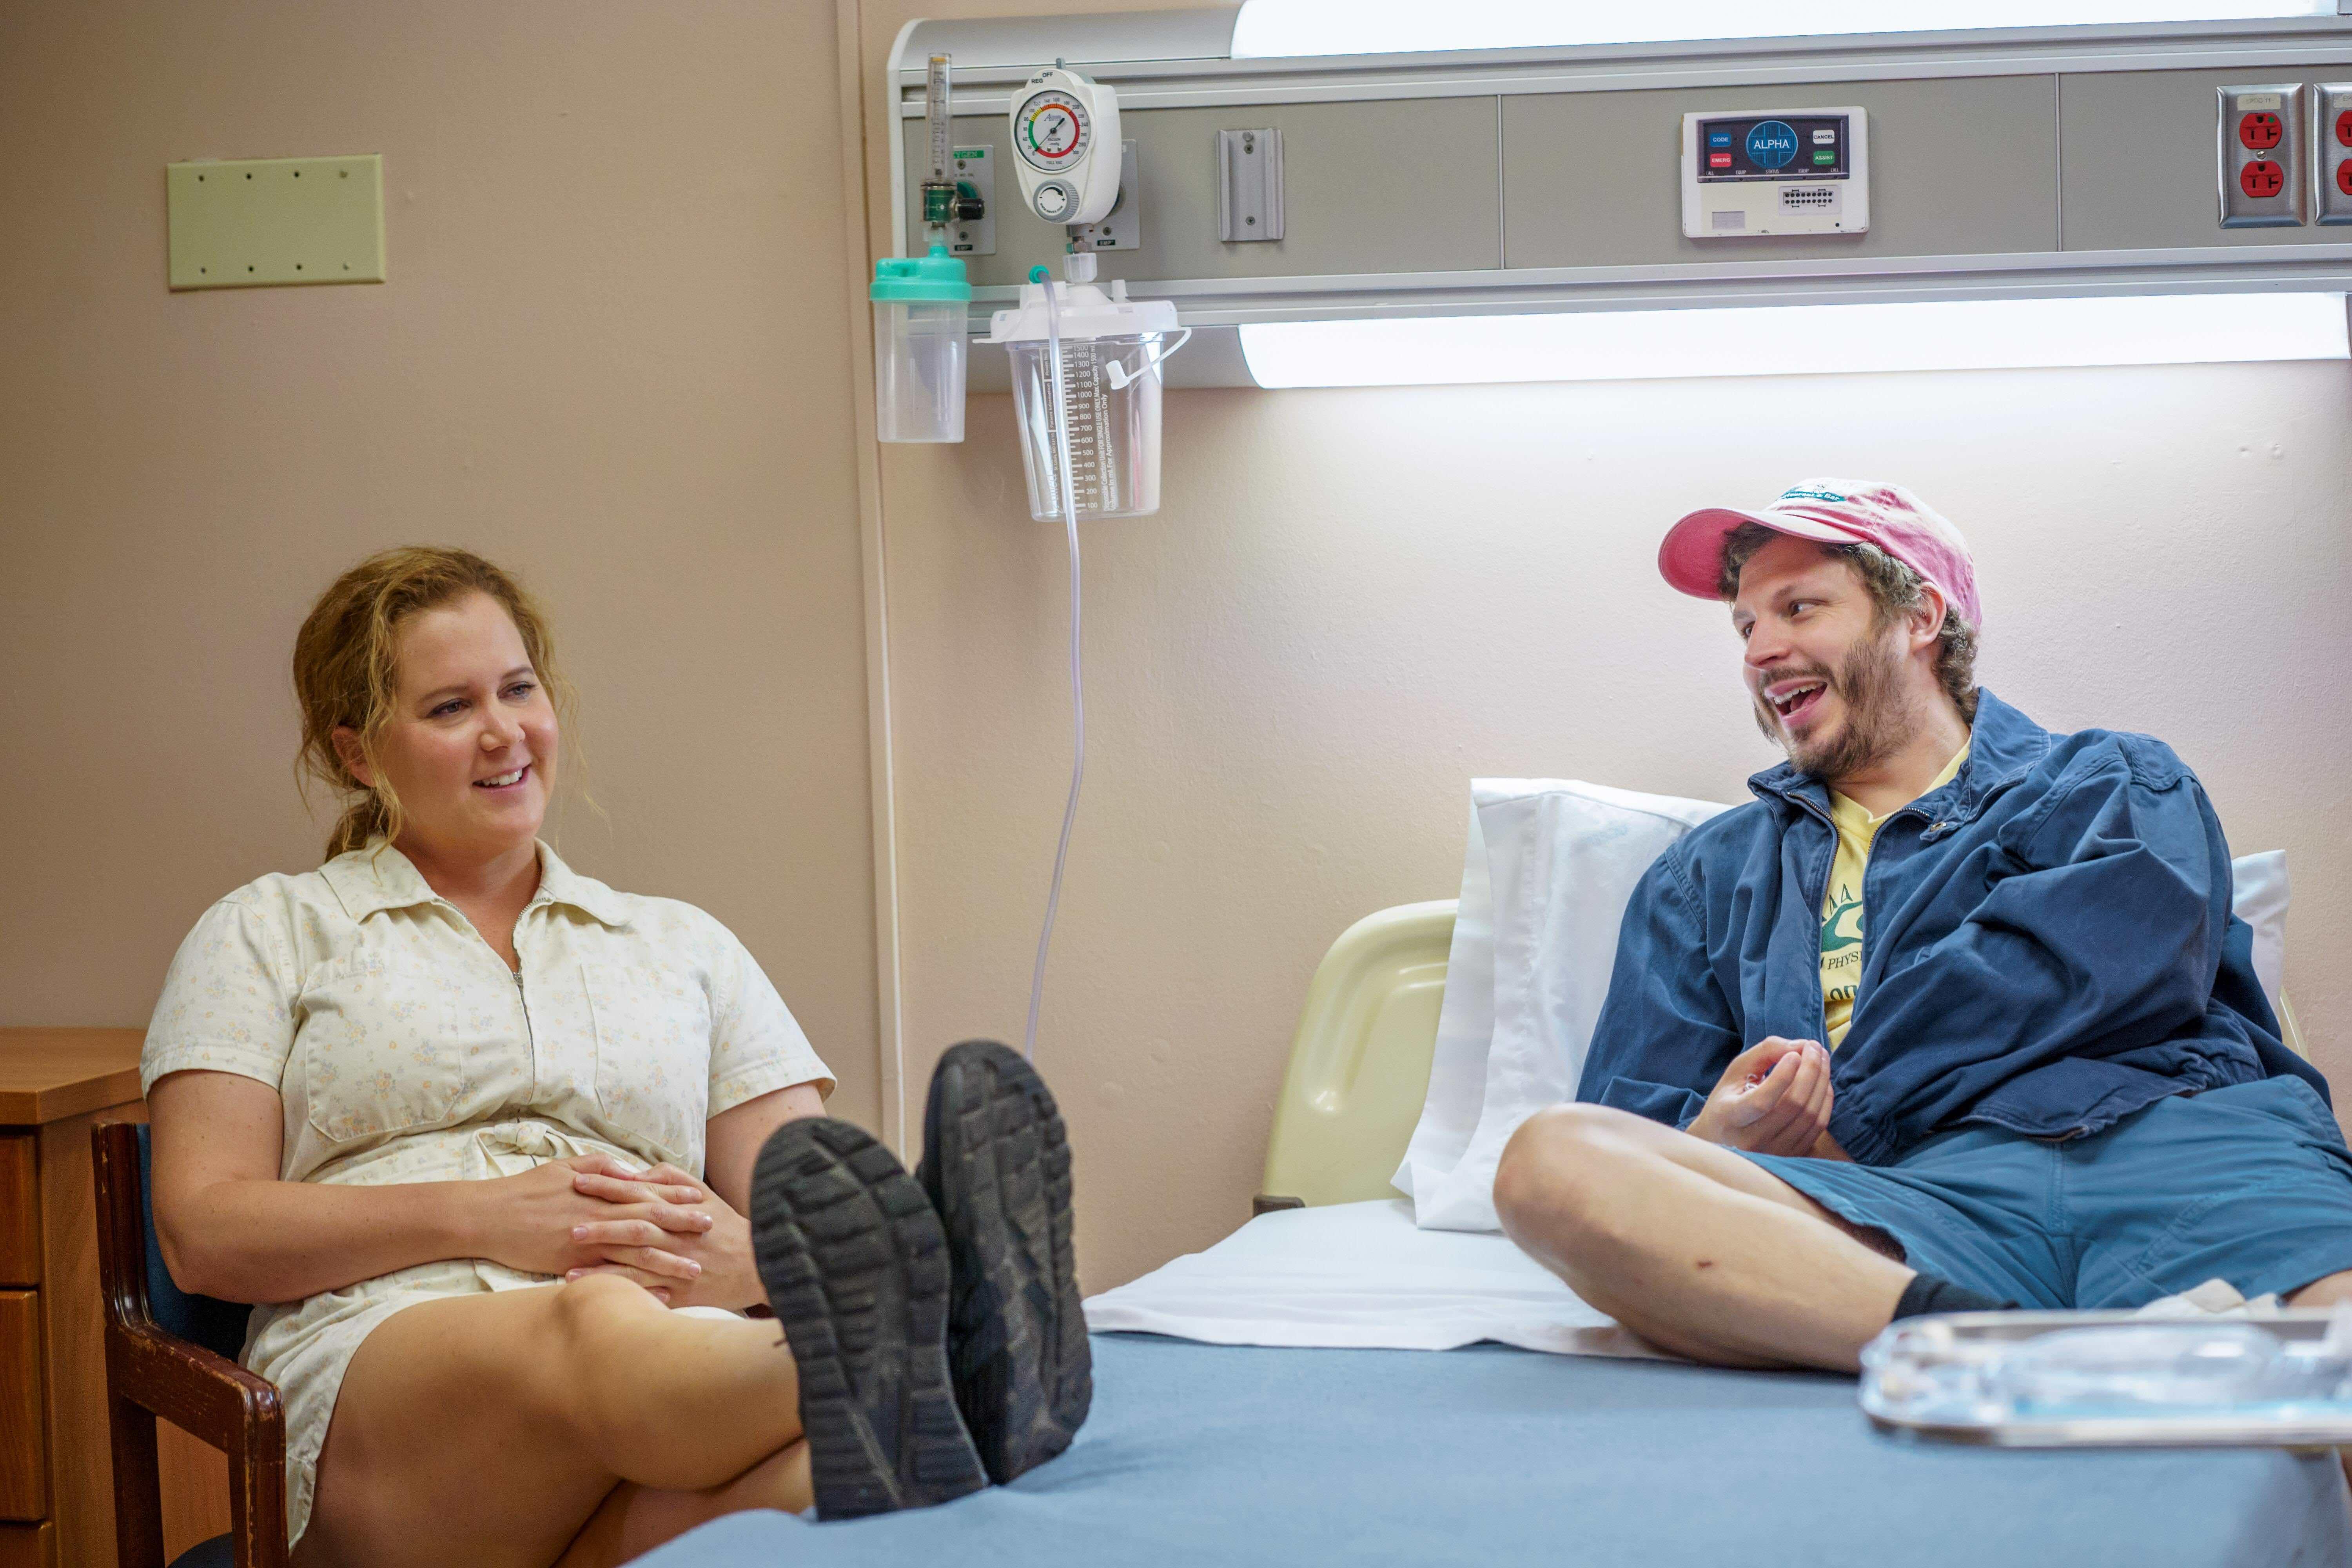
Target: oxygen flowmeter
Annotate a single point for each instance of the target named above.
(920, 336)
(1065, 145)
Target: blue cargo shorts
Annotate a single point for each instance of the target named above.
(2250, 1183)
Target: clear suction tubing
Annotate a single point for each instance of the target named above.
(1109, 393)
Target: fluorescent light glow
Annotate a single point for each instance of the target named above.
(1268, 28)
(1799, 339)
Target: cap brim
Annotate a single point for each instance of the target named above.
(1691, 557)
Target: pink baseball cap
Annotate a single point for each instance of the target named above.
(1832, 512)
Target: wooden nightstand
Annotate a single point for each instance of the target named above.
(57, 1497)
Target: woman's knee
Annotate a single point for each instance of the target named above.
(633, 1385)
(598, 1330)
(596, 1306)
(595, 1320)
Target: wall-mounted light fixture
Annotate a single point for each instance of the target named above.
(1799, 339)
(1277, 28)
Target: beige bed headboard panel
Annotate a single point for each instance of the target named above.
(1360, 1062)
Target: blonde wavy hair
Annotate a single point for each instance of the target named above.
(347, 676)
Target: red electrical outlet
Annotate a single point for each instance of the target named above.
(2344, 176)
(2344, 128)
(2262, 178)
(2261, 131)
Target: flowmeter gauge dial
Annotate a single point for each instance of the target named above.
(1061, 121)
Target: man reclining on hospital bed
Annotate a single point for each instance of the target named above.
(1954, 1014)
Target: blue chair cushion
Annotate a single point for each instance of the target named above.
(206, 1321)
(215, 1554)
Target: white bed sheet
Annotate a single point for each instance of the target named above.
(1361, 1276)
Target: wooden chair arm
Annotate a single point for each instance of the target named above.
(149, 1372)
(213, 1398)
(203, 1394)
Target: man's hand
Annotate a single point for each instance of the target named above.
(1774, 1099)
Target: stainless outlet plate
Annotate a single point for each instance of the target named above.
(1249, 185)
(2331, 151)
(2289, 208)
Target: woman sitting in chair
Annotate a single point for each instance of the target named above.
(478, 1132)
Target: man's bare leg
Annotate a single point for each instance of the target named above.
(2326, 1292)
(1690, 1245)
(488, 1430)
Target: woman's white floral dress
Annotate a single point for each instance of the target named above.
(405, 1050)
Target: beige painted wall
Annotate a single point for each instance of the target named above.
(1352, 602)
(614, 353)
(610, 354)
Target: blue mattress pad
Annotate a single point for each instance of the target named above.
(1210, 1454)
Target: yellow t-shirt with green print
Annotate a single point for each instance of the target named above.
(1842, 906)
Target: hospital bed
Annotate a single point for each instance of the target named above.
(1208, 1453)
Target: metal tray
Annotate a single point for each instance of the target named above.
(1979, 1335)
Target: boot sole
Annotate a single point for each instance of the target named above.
(998, 1160)
(856, 1271)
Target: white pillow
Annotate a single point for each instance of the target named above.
(1547, 872)
(1466, 1028)
(2259, 897)
(1545, 877)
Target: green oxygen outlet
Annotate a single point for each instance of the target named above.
(916, 279)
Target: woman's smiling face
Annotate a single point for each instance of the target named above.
(470, 747)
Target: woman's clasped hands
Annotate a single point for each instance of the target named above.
(596, 1213)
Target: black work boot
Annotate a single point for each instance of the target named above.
(996, 1164)
(856, 1271)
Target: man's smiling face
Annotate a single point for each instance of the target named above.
(1824, 671)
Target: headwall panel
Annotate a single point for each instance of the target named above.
(1958, 167)
(2139, 160)
(1400, 184)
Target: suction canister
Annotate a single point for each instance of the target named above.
(1110, 390)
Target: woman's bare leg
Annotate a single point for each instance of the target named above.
(488, 1430)
(634, 1520)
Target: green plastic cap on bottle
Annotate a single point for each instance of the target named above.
(918, 278)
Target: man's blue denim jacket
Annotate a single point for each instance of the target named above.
(2049, 947)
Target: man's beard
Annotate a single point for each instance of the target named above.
(1869, 679)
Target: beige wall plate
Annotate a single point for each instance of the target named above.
(276, 220)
